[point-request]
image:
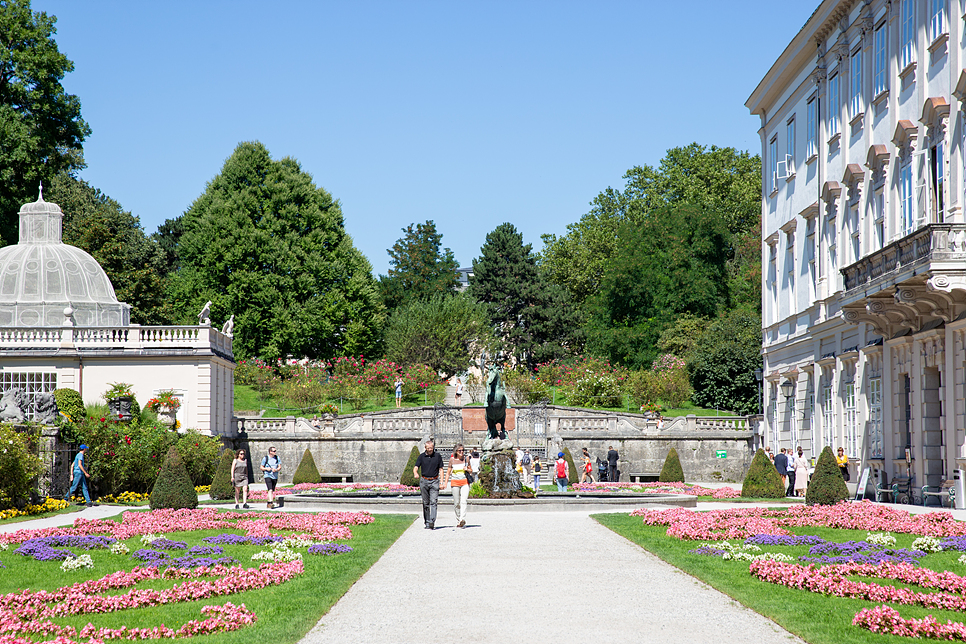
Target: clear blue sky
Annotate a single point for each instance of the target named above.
(467, 113)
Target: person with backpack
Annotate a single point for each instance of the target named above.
(588, 469)
(562, 472)
(270, 468)
(537, 471)
(527, 463)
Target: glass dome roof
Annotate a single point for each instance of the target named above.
(41, 276)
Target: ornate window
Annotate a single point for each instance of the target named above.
(833, 105)
(33, 384)
(811, 116)
(907, 54)
(828, 415)
(937, 19)
(790, 147)
(876, 446)
(855, 83)
(851, 424)
(881, 59)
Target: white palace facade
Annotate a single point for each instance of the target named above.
(863, 143)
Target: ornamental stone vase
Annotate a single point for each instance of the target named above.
(166, 416)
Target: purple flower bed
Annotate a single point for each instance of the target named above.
(229, 539)
(194, 562)
(168, 544)
(953, 543)
(150, 556)
(785, 540)
(200, 551)
(45, 548)
(860, 552)
(328, 549)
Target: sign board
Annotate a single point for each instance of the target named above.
(721, 454)
(863, 481)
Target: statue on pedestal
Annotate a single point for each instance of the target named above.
(495, 403)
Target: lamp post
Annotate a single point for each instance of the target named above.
(758, 375)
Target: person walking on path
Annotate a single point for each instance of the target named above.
(459, 392)
(843, 462)
(612, 458)
(430, 463)
(270, 468)
(239, 477)
(801, 473)
(79, 477)
(537, 471)
(791, 473)
(398, 386)
(587, 471)
(456, 471)
(562, 472)
(781, 465)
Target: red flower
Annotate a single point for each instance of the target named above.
(103, 419)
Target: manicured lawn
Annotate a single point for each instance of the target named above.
(248, 399)
(816, 618)
(285, 613)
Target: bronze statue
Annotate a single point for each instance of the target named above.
(495, 403)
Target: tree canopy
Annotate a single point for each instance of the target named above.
(114, 237)
(534, 319)
(265, 244)
(419, 268)
(444, 332)
(41, 128)
(723, 182)
(723, 365)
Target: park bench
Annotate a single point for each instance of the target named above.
(338, 477)
(644, 477)
(901, 490)
(883, 490)
(945, 489)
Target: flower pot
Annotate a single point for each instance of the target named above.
(166, 416)
(120, 408)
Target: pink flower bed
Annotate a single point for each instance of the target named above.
(661, 488)
(322, 526)
(741, 523)
(396, 488)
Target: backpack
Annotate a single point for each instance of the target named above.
(526, 459)
(561, 469)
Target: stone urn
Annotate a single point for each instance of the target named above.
(166, 416)
(120, 408)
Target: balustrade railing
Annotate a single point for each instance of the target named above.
(129, 337)
(933, 242)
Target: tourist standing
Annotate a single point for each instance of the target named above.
(843, 462)
(537, 471)
(612, 458)
(781, 465)
(562, 472)
(270, 468)
(587, 470)
(801, 473)
(790, 491)
(239, 477)
(79, 476)
(475, 461)
(456, 471)
(428, 465)
(398, 386)
(459, 392)
(527, 462)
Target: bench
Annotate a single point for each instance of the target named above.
(644, 477)
(946, 489)
(901, 490)
(329, 477)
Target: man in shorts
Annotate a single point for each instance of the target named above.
(270, 468)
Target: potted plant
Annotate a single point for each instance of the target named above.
(328, 411)
(165, 405)
(119, 397)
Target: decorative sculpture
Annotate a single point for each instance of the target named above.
(204, 318)
(229, 326)
(46, 408)
(495, 403)
(13, 406)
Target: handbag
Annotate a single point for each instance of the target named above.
(470, 478)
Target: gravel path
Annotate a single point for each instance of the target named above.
(542, 576)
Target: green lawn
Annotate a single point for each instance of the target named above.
(248, 399)
(285, 613)
(815, 618)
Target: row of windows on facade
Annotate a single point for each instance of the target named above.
(797, 429)
(784, 167)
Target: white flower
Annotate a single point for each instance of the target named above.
(149, 538)
(881, 539)
(962, 559)
(926, 544)
(118, 548)
(76, 563)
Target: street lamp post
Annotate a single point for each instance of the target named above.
(758, 375)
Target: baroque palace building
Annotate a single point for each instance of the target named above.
(863, 143)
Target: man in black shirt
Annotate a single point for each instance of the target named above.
(781, 464)
(612, 458)
(431, 463)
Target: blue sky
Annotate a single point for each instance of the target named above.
(467, 113)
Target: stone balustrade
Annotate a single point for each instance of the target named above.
(129, 337)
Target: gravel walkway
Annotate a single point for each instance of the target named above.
(501, 579)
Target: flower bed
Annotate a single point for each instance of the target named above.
(50, 504)
(336, 488)
(660, 488)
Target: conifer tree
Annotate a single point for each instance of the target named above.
(826, 487)
(173, 488)
(418, 267)
(762, 479)
(672, 472)
(221, 486)
(407, 477)
(306, 472)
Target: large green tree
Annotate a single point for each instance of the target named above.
(724, 361)
(721, 181)
(41, 129)
(672, 263)
(445, 332)
(265, 244)
(534, 319)
(418, 267)
(114, 237)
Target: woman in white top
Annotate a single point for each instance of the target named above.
(801, 474)
(459, 465)
(459, 391)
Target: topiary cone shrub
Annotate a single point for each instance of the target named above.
(672, 472)
(574, 474)
(221, 487)
(827, 487)
(407, 477)
(306, 472)
(762, 479)
(173, 489)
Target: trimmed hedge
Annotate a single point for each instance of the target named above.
(762, 479)
(827, 486)
(672, 472)
(173, 489)
(221, 487)
(70, 403)
(306, 472)
(574, 472)
(407, 477)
